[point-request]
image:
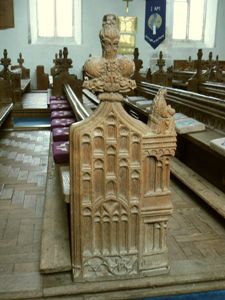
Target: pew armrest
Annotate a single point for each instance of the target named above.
(5, 109)
(25, 85)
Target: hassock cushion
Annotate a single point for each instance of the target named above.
(58, 114)
(60, 152)
(60, 134)
(59, 106)
(57, 97)
(62, 122)
(58, 101)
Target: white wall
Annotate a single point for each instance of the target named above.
(15, 40)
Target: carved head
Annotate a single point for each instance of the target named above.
(109, 36)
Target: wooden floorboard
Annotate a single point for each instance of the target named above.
(196, 234)
(55, 247)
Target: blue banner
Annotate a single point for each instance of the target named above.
(155, 22)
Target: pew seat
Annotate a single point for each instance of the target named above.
(218, 145)
(214, 89)
(5, 109)
(61, 152)
(195, 151)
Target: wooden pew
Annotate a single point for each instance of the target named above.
(204, 79)
(193, 148)
(118, 145)
(24, 73)
(42, 78)
(6, 104)
(162, 77)
(82, 115)
(61, 75)
(209, 110)
(184, 65)
(14, 78)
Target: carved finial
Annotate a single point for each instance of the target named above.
(210, 56)
(149, 75)
(20, 60)
(138, 62)
(161, 119)
(190, 64)
(65, 52)
(199, 64)
(109, 74)
(5, 61)
(66, 62)
(199, 54)
(109, 36)
(160, 61)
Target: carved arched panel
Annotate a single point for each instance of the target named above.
(98, 140)
(149, 174)
(86, 150)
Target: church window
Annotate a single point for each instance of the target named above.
(194, 21)
(55, 21)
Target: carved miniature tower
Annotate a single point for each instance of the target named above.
(120, 171)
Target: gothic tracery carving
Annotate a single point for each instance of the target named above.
(120, 198)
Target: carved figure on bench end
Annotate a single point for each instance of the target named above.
(109, 74)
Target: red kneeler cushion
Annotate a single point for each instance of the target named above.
(60, 134)
(60, 152)
(65, 122)
(59, 114)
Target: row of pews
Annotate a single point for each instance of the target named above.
(17, 75)
(59, 74)
(194, 148)
(200, 76)
(200, 123)
(200, 128)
